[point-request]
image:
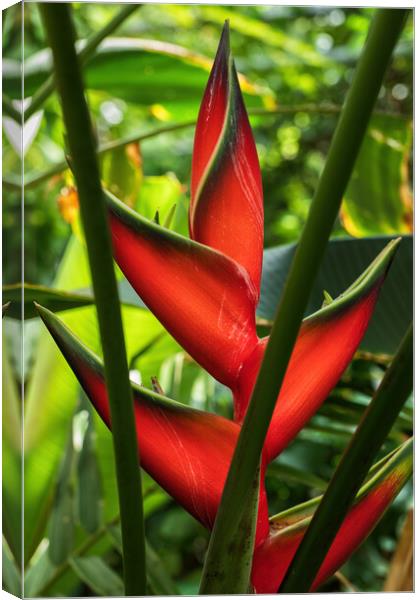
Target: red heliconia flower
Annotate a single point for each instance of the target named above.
(205, 291)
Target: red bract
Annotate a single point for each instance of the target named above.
(205, 290)
(226, 209)
(273, 557)
(186, 450)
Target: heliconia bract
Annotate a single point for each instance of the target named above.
(205, 291)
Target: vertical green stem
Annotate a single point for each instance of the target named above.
(59, 26)
(383, 35)
(352, 469)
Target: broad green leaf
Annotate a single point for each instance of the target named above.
(344, 259)
(94, 571)
(61, 527)
(11, 576)
(378, 198)
(147, 72)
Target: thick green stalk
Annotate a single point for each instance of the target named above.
(47, 88)
(358, 107)
(352, 469)
(59, 26)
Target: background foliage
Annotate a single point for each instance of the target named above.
(150, 75)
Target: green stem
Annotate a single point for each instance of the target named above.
(59, 26)
(47, 88)
(352, 469)
(348, 137)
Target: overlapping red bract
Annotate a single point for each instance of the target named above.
(200, 295)
(205, 292)
(188, 452)
(323, 350)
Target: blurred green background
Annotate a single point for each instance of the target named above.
(297, 64)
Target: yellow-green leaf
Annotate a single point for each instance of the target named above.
(379, 198)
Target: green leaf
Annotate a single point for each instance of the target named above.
(59, 300)
(122, 172)
(38, 573)
(11, 458)
(53, 392)
(143, 71)
(344, 259)
(55, 300)
(94, 571)
(158, 580)
(89, 483)
(51, 397)
(289, 473)
(61, 529)
(378, 198)
(11, 576)
(292, 49)
(165, 194)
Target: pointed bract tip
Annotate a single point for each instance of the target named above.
(382, 263)
(373, 275)
(224, 43)
(45, 314)
(391, 250)
(5, 307)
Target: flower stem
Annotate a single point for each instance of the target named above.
(352, 469)
(348, 137)
(59, 26)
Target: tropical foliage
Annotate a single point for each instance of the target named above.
(199, 291)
